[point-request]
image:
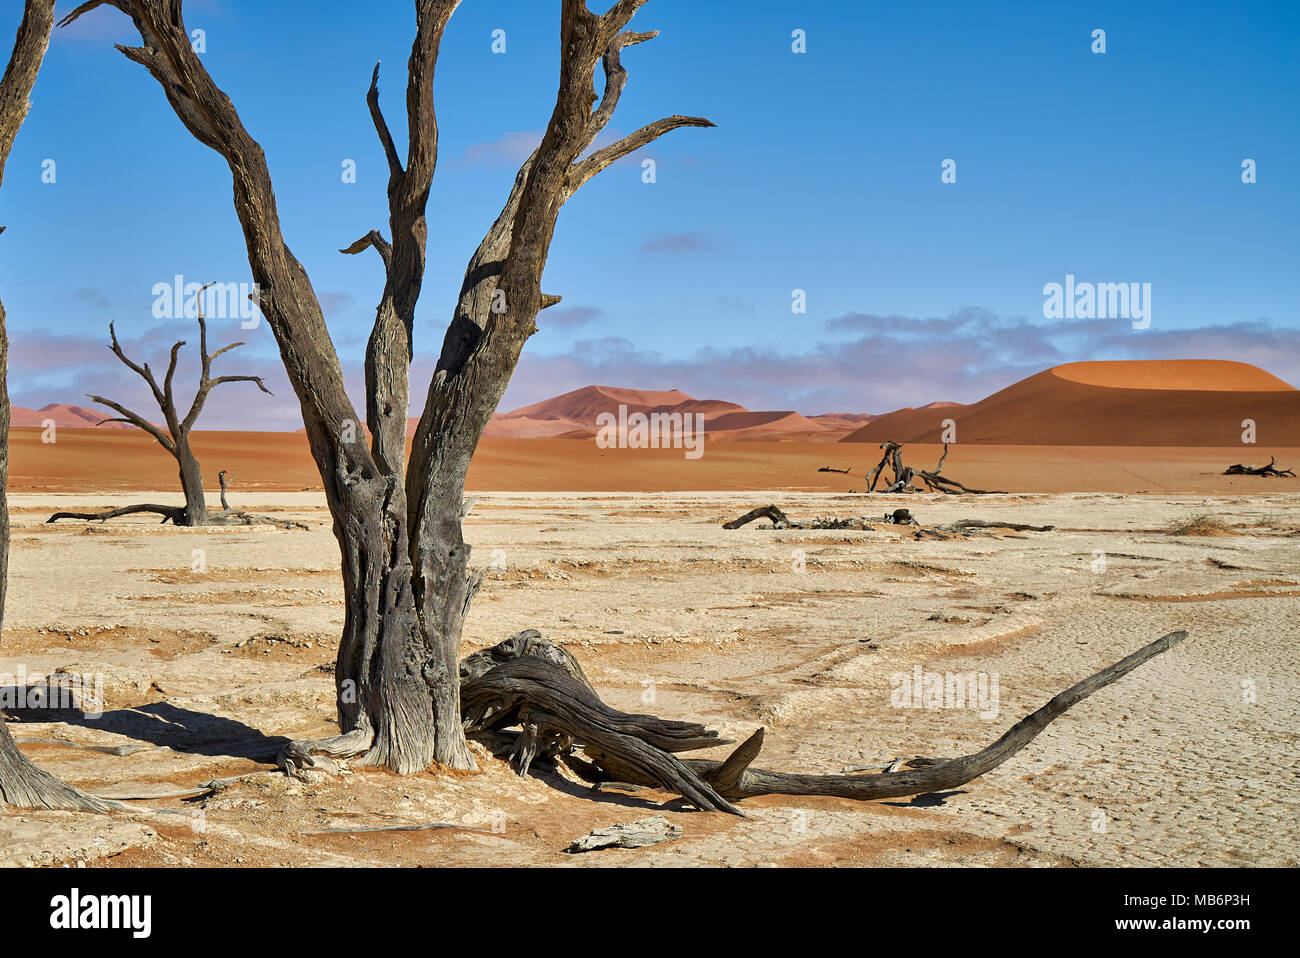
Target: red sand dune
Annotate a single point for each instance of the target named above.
(1130, 403)
(765, 426)
(573, 416)
(845, 421)
(64, 416)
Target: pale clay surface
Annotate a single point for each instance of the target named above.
(1170, 766)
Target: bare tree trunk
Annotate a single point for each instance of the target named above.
(196, 507)
(22, 784)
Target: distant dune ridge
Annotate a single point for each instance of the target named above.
(72, 417)
(573, 416)
(1170, 402)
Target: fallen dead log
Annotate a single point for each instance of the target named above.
(555, 711)
(177, 515)
(963, 524)
(779, 519)
(557, 715)
(1270, 470)
(174, 514)
(833, 469)
(227, 517)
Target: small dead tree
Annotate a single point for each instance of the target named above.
(1271, 470)
(174, 434)
(22, 784)
(904, 475)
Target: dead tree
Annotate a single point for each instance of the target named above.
(535, 689)
(1270, 470)
(405, 563)
(175, 437)
(22, 784)
(904, 475)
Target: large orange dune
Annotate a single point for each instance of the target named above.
(1176, 402)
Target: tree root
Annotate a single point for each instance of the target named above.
(24, 785)
(312, 759)
(360, 829)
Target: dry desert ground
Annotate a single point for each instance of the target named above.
(209, 665)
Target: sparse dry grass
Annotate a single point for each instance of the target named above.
(1201, 524)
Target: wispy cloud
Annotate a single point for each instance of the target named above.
(509, 149)
(866, 363)
(569, 317)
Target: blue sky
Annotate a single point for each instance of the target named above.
(823, 175)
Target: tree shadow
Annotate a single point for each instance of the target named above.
(927, 799)
(158, 723)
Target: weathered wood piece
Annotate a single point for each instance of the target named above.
(1271, 470)
(963, 524)
(779, 519)
(639, 834)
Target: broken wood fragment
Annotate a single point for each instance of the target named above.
(638, 834)
(779, 519)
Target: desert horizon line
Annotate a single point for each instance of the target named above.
(91, 417)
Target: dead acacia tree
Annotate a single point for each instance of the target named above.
(174, 434)
(405, 564)
(22, 784)
(1271, 470)
(904, 475)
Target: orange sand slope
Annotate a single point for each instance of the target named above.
(1184, 402)
(573, 416)
(95, 460)
(64, 416)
